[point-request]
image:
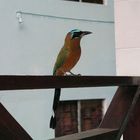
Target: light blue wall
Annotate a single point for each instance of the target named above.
(32, 46)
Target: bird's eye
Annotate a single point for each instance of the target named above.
(76, 34)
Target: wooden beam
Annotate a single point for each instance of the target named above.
(96, 134)
(15, 82)
(129, 113)
(10, 129)
(119, 107)
(132, 131)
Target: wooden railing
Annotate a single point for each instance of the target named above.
(122, 116)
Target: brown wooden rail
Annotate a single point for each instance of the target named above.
(122, 113)
(15, 82)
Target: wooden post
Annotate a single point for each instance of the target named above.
(119, 107)
(10, 129)
(132, 131)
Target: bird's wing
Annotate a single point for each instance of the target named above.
(61, 58)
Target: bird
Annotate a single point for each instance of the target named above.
(67, 58)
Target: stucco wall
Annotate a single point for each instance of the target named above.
(127, 26)
(32, 46)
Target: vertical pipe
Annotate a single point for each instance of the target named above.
(79, 115)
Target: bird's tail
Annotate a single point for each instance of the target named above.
(55, 105)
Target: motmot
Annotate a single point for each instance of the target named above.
(66, 60)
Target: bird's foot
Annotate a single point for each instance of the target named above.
(72, 74)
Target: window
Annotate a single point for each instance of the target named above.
(76, 116)
(89, 1)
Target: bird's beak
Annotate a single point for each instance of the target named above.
(86, 33)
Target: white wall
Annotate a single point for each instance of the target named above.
(127, 36)
(32, 47)
(127, 26)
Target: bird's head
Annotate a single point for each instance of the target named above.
(76, 33)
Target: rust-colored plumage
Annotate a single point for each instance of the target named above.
(66, 60)
(68, 56)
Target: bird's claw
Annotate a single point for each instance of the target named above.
(72, 74)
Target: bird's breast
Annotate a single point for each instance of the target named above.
(72, 59)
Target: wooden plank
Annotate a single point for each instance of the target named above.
(15, 82)
(10, 129)
(132, 131)
(119, 107)
(129, 113)
(96, 134)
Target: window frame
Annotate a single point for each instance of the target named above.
(79, 123)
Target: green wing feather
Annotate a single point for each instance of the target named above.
(60, 59)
